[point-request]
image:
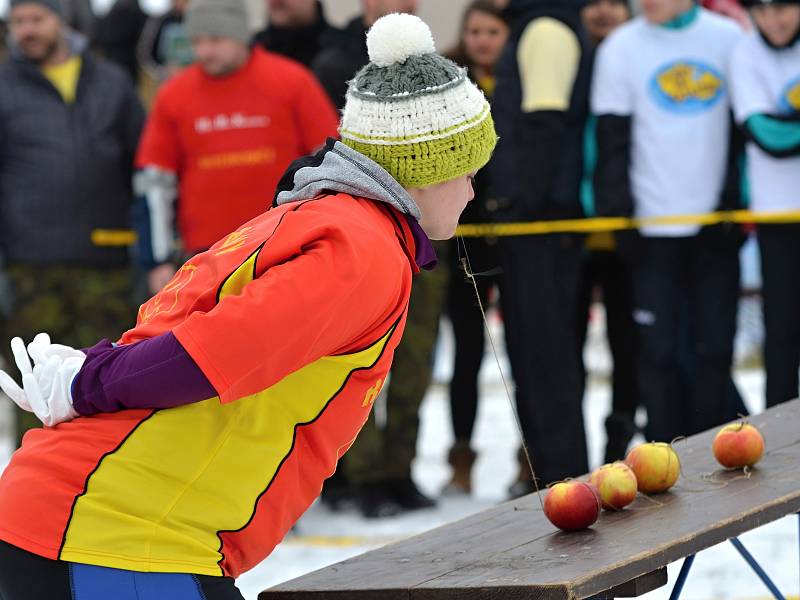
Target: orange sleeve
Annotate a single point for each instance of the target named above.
(317, 117)
(326, 293)
(159, 145)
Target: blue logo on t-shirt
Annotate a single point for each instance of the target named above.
(687, 87)
(790, 97)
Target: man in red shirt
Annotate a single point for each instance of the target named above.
(221, 134)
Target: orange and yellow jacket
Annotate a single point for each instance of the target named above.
(293, 320)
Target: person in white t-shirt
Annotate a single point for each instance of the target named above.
(665, 147)
(765, 91)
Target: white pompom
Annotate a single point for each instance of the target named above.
(393, 38)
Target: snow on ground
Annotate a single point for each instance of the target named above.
(322, 538)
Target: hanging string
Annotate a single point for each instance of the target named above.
(467, 267)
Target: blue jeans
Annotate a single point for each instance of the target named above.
(26, 576)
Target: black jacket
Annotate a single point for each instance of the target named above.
(302, 44)
(538, 163)
(118, 32)
(65, 169)
(344, 54)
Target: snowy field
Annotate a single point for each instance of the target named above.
(322, 538)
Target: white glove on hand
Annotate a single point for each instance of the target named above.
(46, 386)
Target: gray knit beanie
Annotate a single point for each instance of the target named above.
(54, 5)
(414, 112)
(223, 18)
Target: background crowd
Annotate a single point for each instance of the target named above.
(602, 108)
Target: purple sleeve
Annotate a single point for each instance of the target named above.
(153, 373)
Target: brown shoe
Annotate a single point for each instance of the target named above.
(461, 458)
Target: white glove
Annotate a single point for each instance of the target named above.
(47, 386)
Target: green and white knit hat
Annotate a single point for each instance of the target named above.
(414, 112)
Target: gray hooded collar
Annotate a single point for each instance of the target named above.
(340, 169)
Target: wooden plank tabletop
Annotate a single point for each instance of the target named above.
(513, 552)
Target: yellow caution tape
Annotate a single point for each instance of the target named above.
(113, 237)
(127, 237)
(619, 223)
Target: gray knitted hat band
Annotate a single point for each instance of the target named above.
(53, 5)
(223, 18)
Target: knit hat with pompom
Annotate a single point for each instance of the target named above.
(414, 112)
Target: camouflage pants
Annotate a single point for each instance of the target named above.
(77, 306)
(385, 453)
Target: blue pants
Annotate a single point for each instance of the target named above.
(26, 576)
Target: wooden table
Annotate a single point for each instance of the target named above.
(513, 552)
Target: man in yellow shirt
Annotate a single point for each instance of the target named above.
(64, 77)
(69, 126)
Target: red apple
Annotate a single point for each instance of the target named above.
(656, 466)
(572, 505)
(617, 485)
(738, 445)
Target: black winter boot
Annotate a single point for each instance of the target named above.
(620, 429)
